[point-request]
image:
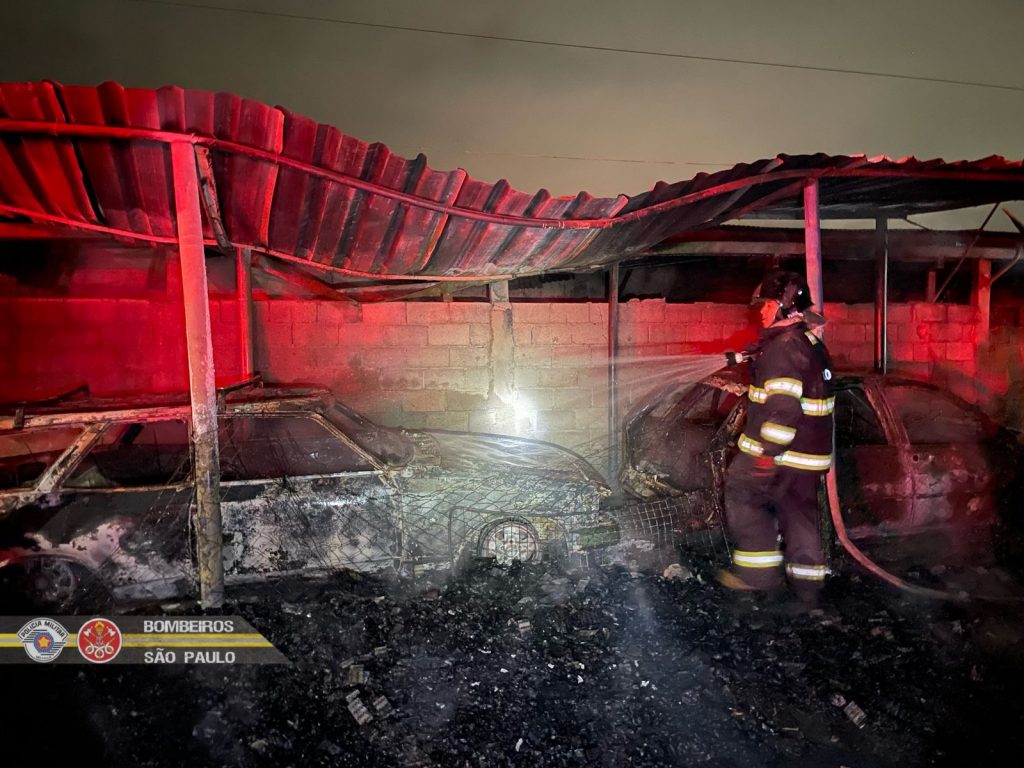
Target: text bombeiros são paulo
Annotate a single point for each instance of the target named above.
(183, 626)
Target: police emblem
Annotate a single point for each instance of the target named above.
(43, 639)
(99, 640)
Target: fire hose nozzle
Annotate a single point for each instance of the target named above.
(734, 358)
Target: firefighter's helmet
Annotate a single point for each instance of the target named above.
(788, 288)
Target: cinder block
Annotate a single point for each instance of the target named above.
(279, 311)
(546, 335)
(963, 313)
(861, 354)
(401, 378)
(522, 333)
(478, 380)
(683, 314)
(276, 335)
(570, 312)
(557, 420)
(360, 334)
(573, 355)
(644, 311)
(385, 313)
(531, 312)
(702, 332)
(959, 351)
(936, 350)
(529, 377)
(429, 312)
(900, 313)
(404, 335)
(480, 334)
(588, 333)
(666, 334)
(338, 312)
(902, 350)
(468, 357)
(444, 378)
(528, 354)
(599, 313)
(860, 313)
(304, 312)
(557, 377)
(633, 333)
(847, 333)
(422, 401)
(464, 401)
(313, 335)
(928, 312)
(947, 331)
(723, 313)
(448, 335)
(470, 311)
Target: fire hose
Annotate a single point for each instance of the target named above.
(835, 511)
(876, 570)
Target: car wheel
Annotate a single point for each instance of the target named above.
(510, 540)
(56, 585)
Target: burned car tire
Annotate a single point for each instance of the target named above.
(56, 584)
(508, 540)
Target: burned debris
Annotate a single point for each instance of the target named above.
(615, 668)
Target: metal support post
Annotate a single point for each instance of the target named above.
(613, 378)
(982, 297)
(209, 538)
(812, 246)
(243, 281)
(881, 294)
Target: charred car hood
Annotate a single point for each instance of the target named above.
(465, 453)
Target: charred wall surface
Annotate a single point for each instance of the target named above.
(433, 364)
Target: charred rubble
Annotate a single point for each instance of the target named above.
(542, 666)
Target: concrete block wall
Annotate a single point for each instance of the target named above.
(118, 347)
(428, 364)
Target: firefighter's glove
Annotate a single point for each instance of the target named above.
(764, 466)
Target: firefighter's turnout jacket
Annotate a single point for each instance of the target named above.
(789, 417)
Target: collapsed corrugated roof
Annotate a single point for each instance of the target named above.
(96, 158)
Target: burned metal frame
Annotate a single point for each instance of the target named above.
(802, 175)
(195, 295)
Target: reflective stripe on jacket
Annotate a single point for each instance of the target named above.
(789, 416)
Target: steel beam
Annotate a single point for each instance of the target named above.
(243, 287)
(613, 376)
(881, 294)
(812, 244)
(209, 537)
(982, 297)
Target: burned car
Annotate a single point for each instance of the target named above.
(103, 495)
(909, 456)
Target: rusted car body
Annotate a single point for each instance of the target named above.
(909, 457)
(106, 495)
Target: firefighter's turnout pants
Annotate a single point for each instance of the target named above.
(758, 510)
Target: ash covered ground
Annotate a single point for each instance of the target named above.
(535, 666)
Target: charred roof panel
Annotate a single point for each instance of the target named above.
(97, 158)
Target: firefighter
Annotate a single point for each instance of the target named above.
(771, 488)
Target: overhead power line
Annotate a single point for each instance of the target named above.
(582, 47)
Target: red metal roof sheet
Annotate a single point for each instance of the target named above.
(97, 158)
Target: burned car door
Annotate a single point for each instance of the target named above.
(679, 442)
(948, 455)
(297, 498)
(122, 511)
(872, 473)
